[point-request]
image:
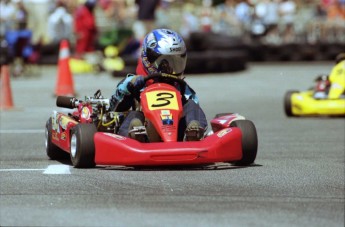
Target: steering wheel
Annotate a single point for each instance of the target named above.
(164, 77)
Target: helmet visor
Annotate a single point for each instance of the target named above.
(171, 64)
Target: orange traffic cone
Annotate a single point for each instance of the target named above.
(6, 92)
(64, 85)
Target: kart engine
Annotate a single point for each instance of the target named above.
(93, 110)
(105, 120)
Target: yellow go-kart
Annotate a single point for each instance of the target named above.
(315, 101)
(305, 104)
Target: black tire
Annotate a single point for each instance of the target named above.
(288, 104)
(249, 141)
(83, 146)
(65, 101)
(221, 114)
(53, 151)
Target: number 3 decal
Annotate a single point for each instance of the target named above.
(164, 97)
(161, 100)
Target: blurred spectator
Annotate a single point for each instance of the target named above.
(162, 14)
(287, 10)
(226, 21)
(114, 14)
(271, 20)
(60, 23)
(326, 3)
(146, 17)
(85, 28)
(335, 31)
(7, 16)
(18, 38)
(243, 11)
(320, 10)
(258, 23)
(306, 18)
(190, 22)
(336, 10)
(21, 16)
(108, 7)
(107, 22)
(114, 20)
(206, 16)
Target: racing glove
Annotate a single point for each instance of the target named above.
(135, 84)
(131, 85)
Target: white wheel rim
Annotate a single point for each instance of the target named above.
(74, 145)
(46, 135)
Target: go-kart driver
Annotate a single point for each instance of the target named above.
(337, 78)
(332, 86)
(163, 51)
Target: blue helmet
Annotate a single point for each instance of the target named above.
(164, 51)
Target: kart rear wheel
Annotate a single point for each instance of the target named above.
(83, 146)
(288, 103)
(53, 151)
(249, 141)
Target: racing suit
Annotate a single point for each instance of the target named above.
(127, 91)
(337, 80)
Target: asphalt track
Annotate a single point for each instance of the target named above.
(297, 179)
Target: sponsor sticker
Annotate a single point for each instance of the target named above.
(55, 125)
(224, 132)
(85, 113)
(166, 117)
(64, 122)
(168, 128)
(55, 136)
(176, 49)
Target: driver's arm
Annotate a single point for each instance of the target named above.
(126, 90)
(337, 79)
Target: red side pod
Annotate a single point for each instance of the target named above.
(223, 146)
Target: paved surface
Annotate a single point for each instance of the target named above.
(297, 180)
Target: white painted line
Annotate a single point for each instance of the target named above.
(13, 170)
(20, 131)
(51, 169)
(57, 169)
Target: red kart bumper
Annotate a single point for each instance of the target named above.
(222, 146)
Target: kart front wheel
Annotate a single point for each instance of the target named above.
(83, 146)
(288, 103)
(249, 141)
(53, 151)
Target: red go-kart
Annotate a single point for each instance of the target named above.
(88, 136)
